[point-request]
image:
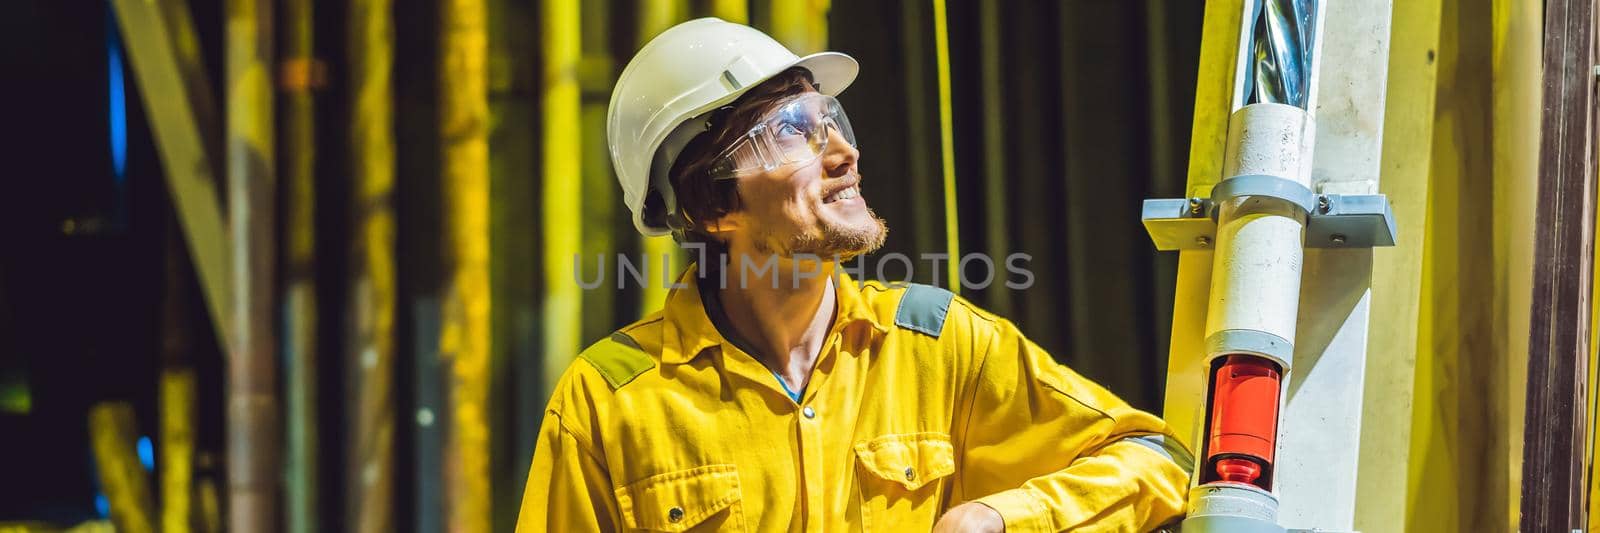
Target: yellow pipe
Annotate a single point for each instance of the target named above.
(661, 254)
(177, 448)
(561, 190)
(369, 362)
(464, 329)
(737, 11)
(947, 148)
(597, 73)
(801, 25)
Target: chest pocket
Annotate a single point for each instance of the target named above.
(706, 498)
(901, 479)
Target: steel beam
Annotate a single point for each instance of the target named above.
(165, 58)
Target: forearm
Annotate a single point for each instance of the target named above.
(1123, 486)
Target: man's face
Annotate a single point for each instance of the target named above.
(814, 207)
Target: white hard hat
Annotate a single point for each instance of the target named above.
(686, 72)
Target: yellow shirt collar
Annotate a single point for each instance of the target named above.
(687, 329)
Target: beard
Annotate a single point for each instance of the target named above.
(829, 239)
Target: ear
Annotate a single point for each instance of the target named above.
(724, 225)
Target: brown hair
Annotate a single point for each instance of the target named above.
(700, 198)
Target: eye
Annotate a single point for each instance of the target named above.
(788, 129)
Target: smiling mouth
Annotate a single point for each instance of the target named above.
(843, 194)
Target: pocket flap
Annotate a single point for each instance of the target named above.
(677, 501)
(911, 459)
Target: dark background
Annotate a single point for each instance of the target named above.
(1093, 112)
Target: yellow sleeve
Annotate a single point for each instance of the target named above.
(568, 487)
(1052, 451)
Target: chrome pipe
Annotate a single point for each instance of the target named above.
(1280, 56)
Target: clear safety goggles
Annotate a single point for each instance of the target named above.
(796, 132)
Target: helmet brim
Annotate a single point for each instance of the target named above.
(832, 71)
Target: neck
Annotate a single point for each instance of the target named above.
(783, 311)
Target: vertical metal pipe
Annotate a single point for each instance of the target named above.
(177, 399)
(801, 25)
(913, 43)
(661, 255)
(561, 193)
(947, 148)
(1280, 51)
(517, 373)
(176, 403)
(737, 11)
(298, 76)
(464, 329)
(996, 204)
(370, 353)
(254, 432)
(596, 74)
(1256, 280)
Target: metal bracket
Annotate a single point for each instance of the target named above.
(1263, 185)
(1332, 221)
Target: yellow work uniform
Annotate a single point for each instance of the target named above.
(919, 401)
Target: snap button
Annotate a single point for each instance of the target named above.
(809, 412)
(675, 514)
(911, 474)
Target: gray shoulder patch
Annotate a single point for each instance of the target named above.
(923, 308)
(1167, 447)
(618, 358)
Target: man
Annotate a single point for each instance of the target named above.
(777, 394)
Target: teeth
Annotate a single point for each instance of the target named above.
(852, 192)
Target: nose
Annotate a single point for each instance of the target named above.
(840, 157)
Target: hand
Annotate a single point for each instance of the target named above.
(970, 517)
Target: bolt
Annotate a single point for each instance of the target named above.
(1203, 241)
(1196, 206)
(1323, 204)
(1337, 238)
(424, 417)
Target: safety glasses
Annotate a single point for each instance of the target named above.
(796, 132)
